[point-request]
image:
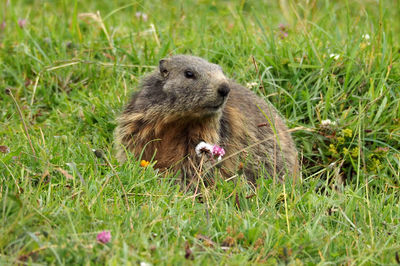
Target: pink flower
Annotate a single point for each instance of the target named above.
(218, 151)
(283, 31)
(3, 25)
(282, 27)
(104, 237)
(21, 23)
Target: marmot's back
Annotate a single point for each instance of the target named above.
(256, 121)
(188, 100)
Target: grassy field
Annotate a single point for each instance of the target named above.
(330, 67)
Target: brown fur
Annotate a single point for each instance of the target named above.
(172, 113)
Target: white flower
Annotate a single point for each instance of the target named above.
(366, 42)
(327, 123)
(366, 36)
(204, 147)
(334, 56)
(250, 85)
(140, 15)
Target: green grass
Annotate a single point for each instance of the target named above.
(71, 77)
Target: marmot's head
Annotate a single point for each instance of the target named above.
(192, 86)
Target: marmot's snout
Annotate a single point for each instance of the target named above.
(223, 90)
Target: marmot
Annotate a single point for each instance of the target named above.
(187, 100)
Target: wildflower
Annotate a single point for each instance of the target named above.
(3, 25)
(203, 147)
(347, 132)
(140, 15)
(283, 31)
(334, 56)
(345, 151)
(354, 152)
(218, 151)
(284, 35)
(340, 140)
(365, 41)
(332, 149)
(21, 23)
(375, 164)
(104, 237)
(366, 36)
(282, 27)
(327, 123)
(250, 85)
(212, 150)
(144, 163)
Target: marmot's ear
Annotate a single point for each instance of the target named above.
(163, 67)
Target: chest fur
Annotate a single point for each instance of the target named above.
(170, 143)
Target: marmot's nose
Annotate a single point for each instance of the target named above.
(223, 90)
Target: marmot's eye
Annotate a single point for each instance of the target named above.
(189, 74)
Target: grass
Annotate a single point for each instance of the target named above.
(71, 70)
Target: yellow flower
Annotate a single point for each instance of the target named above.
(354, 152)
(363, 45)
(144, 163)
(347, 132)
(332, 149)
(375, 164)
(345, 151)
(340, 140)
